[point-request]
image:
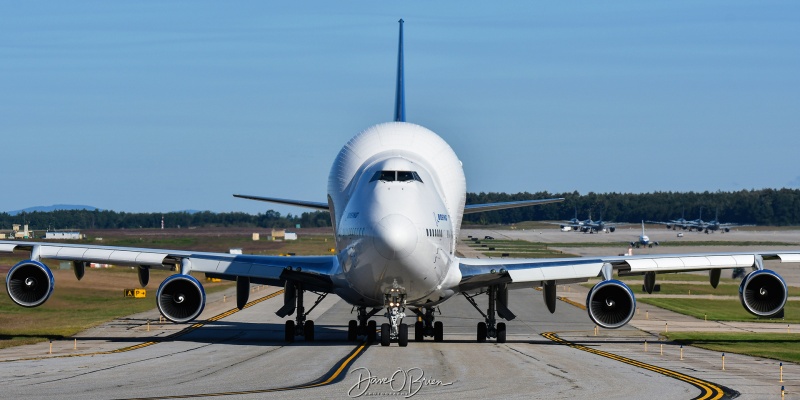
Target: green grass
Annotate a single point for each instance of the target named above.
(672, 243)
(721, 310)
(681, 243)
(684, 277)
(728, 288)
(723, 289)
(778, 346)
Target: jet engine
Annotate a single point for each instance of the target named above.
(610, 304)
(29, 283)
(181, 298)
(763, 293)
(612, 228)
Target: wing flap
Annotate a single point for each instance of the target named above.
(555, 273)
(789, 257)
(70, 252)
(688, 263)
(7, 247)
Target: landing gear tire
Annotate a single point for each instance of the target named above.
(501, 332)
(289, 331)
(386, 335)
(438, 331)
(419, 331)
(482, 332)
(352, 330)
(402, 340)
(372, 331)
(308, 331)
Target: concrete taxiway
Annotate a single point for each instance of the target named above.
(242, 355)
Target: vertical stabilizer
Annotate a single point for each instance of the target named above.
(400, 91)
(642, 227)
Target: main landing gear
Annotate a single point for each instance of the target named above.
(363, 327)
(425, 327)
(498, 305)
(293, 304)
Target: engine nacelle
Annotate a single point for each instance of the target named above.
(612, 228)
(30, 283)
(611, 304)
(763, 293)
(181, 298)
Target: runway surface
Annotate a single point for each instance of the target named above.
(243, 355)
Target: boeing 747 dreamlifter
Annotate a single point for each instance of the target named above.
(396, 195)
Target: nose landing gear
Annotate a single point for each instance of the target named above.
(395, 330)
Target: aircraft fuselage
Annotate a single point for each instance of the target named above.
(395, 189)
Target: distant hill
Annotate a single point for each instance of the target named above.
(53, 208)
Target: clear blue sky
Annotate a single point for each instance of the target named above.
(164, 106)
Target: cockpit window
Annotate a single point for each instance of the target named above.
(388, 176)
(403, 176)
(400, 176)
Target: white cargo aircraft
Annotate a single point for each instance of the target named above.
(644, 240)
(396, 195)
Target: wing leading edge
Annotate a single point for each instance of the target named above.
(476, 208)
(316, 271)
(300, 203)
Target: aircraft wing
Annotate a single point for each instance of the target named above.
(661, 223)
(300, 203)
(316, 271)
(476, 208)
(479, 273)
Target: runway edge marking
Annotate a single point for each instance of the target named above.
(172, 336)
(709, 390)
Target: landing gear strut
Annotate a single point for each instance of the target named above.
(363, 327)
(498, 305)
(293, 304)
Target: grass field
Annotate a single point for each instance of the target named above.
(721, 310)
(784, 347)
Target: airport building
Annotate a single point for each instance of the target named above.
(64, 235)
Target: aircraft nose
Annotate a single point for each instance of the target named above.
(395, 237)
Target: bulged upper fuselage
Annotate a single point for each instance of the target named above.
(396, 193)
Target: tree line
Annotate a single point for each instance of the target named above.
(777, 207)
(106, 219)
